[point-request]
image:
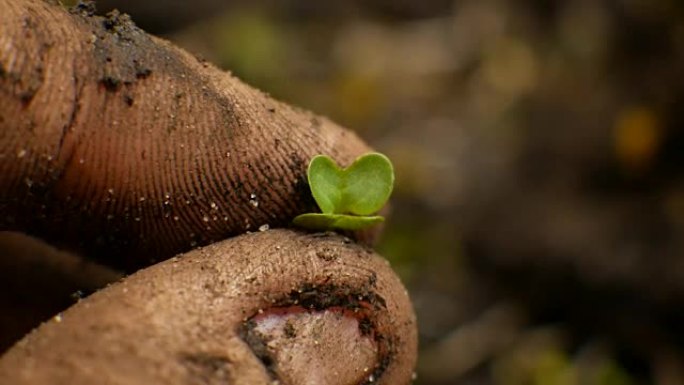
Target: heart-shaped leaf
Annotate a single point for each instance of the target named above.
(360, 189)
(368, 183)
(325, 179)
(316, 221)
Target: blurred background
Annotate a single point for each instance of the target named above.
(538, 217)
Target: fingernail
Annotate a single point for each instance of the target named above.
(299, 346)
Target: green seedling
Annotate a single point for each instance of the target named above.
(348, 197)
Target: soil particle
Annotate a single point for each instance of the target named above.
(289, 330)
(365, 326)
(119, 24)
(328, 254)
(110, 83)
(84, 8)
(141, 70)
(379, 368)
(128, 99)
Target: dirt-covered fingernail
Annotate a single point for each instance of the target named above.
(299, 346)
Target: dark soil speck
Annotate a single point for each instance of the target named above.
(84, 8)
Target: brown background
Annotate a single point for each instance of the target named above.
(538, 217)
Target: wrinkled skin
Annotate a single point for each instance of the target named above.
(128, 150)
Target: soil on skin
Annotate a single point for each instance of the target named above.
(197, 316)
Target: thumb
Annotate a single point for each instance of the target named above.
(272, 307)
(128, 149)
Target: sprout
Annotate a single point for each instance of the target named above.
(348, 197)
